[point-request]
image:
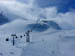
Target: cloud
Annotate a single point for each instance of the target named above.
(62, 5)
(65, 20)
(7, 0)
(18, 10)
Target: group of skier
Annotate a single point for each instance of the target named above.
(27, 34)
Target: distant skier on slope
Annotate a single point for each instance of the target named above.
(28, 36)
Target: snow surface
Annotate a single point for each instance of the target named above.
(48, 43)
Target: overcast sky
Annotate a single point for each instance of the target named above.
(58, 10)
(62, 5)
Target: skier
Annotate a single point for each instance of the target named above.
(28, 36)
(14, 36)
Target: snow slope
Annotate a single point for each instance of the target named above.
(14, 27)
(47, 43)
